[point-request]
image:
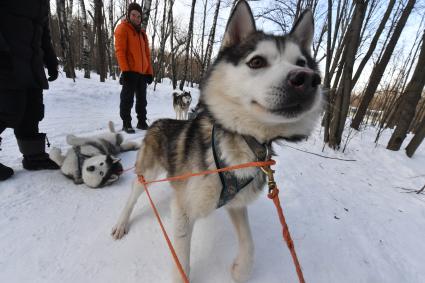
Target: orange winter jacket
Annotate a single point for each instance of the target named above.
(132, 49)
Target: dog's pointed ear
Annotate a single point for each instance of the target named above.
(303, 30)
(241, 24)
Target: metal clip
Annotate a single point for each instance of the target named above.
(270, 178)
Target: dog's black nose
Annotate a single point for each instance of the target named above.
(90, 168)
(301, 80)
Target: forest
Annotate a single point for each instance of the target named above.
(370, 53)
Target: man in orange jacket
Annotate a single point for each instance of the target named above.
(133, 55)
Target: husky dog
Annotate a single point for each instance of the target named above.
(262, 88)
(91, 160)
(181, 104)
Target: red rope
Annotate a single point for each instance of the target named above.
(273, 194)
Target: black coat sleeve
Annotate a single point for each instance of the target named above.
(50, 59)
(3, 45)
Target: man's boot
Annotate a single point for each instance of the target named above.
(142, 125)
(5, 172)
(35, 156)
(127, 127)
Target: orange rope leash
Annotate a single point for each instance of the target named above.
(273, 195)
(207, 172)
(170, 245)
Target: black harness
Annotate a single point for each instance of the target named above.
(231, 184)
(82, 157)
(80, 161)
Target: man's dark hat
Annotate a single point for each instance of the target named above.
(133, 6)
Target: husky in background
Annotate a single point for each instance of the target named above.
(181, 104)
(92, 160)
(261, 88)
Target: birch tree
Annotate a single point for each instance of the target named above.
(189, 36)
(65, 40)
(211, 37)
(146, 10)
(410, 99)
(341, 105)
(85, 58)
(379, 69)
(416, 140)
(98, 4)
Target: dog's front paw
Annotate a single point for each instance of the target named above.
(241, 269)
(119, 230)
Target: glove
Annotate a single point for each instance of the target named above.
(53, 74)
(148, 79)
(123, 77)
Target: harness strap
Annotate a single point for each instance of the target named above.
(231, 184)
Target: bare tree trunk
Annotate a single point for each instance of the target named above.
(161, 51)
(98, 4)
(416, 140)
(411, 97)
(111, 39)
(145, 13)
(173, 54)
(203, 30)
(374, 41)
(189, 36)
(153, 52)
(210, 44)
(86, 47)
(343, 94)
(379, 69)
(327, 81)
(65, 42)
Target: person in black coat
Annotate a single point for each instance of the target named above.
(25, 49)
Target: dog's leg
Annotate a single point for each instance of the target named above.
(121, 228)
(75, 141)
(183, 227)
(242, 266)
(127, 146)
(56, 155)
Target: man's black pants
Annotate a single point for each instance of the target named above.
(133, 83)
(22, 110)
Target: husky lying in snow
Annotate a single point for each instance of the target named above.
(92, 160)
(181, 104)
(261, 88)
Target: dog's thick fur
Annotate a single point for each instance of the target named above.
(181, 104)
(92, 160)
(262, 86)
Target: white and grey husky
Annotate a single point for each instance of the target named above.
(92, 160)
(261, 88)
(181, 104)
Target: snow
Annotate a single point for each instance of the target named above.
(351, 220)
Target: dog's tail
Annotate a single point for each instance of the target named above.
(111, 127)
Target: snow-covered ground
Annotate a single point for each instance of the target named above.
(350, 220)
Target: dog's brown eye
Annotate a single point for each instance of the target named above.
(257, 62)
(301, 62)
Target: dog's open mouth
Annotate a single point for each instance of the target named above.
(116, 169)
